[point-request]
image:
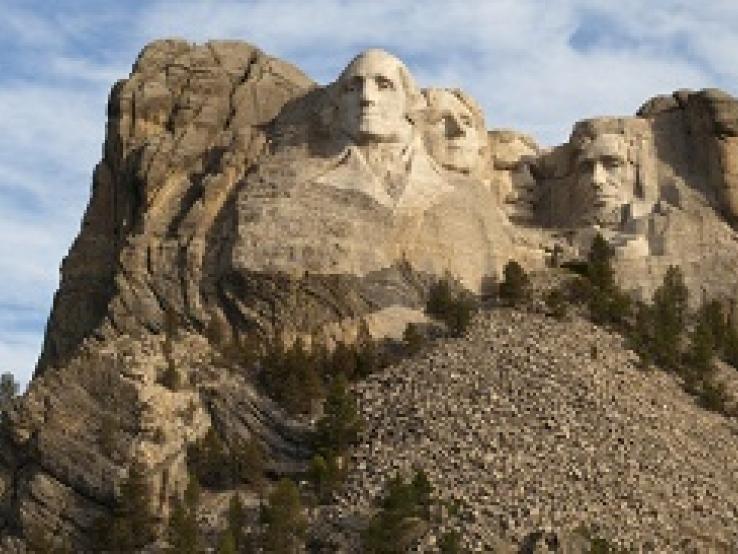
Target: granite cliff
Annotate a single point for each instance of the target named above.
(241, 200)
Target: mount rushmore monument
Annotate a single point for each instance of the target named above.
(236, 194)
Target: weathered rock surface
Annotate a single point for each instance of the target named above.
(520, 430)
(182, 131)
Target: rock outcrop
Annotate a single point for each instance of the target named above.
(182, 131)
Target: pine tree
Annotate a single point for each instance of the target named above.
(284, 520)
(341, 422)
(599, 264)
(367, 356)
(450, 543)
(670, 303)
(700, 354)
(183, 533)
(413, 338)
(250, 460)
(237, 521)
(515, 287)
(556, 304)
(422, 490)
(641, 335)
(132, 524)
(730, 346)
(712, 314)
(226, 543)
(343, 361)
(440, 298)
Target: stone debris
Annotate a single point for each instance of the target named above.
(520, 429)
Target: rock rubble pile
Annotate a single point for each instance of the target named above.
(530, 425)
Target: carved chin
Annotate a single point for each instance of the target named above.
(458, 161)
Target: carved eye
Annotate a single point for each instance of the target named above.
(585, 165)
(612, 162)
(383, 83)
(353, 84)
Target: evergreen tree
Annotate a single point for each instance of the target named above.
(132, 524)
(460, 314)
(183, 533)
(556, 303)
(284, 520)
(237, 521)
(730, 346)
(599, 264)
(440, 298)
(454, 309)
(713, 316)
(402, 507)
(324, 474)
(210, 461)
(450, 543)
(670, 303)
(515, 287)
(413, 338)
(343, 361)
(422, 490)
(250, 462)
(641, 335)
(341, 422)
(226, 543)
(367, 356)
(700, 354)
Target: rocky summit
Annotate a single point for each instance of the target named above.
(245, 222)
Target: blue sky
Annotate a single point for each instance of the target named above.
(534, 65)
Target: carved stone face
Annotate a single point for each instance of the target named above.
(373, 98)
(604, 180)
(455, 135)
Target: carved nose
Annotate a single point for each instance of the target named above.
(368, 93)
(599, 175)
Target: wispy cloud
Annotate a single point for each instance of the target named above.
(534, 65)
